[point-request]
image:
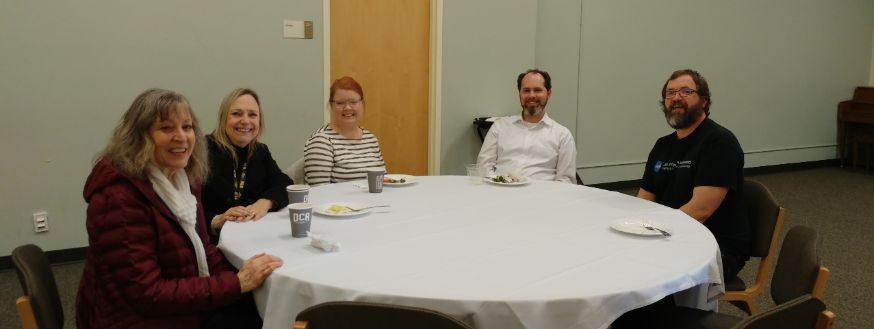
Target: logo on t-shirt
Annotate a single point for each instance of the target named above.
(671, 166)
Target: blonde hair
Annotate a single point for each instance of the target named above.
(221, 136)
(131, 148)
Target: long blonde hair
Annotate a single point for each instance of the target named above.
(221, 136)
(131, 149)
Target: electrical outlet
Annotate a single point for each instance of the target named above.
(41, 221)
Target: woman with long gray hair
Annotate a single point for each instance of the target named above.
(149, 262)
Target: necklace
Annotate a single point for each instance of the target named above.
(241, 183)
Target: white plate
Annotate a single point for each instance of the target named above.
(409, 179)
(525, 180)
(635, 226)
(323, 209)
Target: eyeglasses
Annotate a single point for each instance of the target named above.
(342, 105)
(684, 92)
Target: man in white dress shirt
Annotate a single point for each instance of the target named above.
(531, 144)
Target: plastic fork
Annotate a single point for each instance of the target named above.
(652, 228)
(365, 208)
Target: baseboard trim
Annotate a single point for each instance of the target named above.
(55, 257)
(763, 170)
(791, 167)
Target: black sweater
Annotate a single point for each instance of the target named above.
(264, 180)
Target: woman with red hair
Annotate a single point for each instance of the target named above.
(342, 150)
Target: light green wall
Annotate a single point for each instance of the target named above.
(871, 74)
(557, 51)
(486, 44)
(777, 70)
(68, 70)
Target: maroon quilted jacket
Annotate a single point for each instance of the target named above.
(140, 270)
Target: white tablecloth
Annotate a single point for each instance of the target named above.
(540, 256)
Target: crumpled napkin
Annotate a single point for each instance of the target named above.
(321, 242)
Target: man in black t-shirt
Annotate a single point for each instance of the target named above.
(699, 168)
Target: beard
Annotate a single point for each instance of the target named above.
(684, 119)
(533, 110)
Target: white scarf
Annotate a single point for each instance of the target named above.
(177, 196)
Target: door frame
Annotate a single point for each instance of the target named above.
(435, 69)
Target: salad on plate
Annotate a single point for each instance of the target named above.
(507, 179)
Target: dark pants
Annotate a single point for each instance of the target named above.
(731, 265)
(645, 317)
(652, 316)
(241, 314)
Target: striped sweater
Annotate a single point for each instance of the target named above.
(331, 158)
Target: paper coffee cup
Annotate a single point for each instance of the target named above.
(298, 193)
(301, 215)
(374, 180)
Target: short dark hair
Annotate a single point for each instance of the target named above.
(546, 78)
(700, 83)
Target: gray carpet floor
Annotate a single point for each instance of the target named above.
(839, 203)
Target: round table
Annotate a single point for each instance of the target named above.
(540, 255)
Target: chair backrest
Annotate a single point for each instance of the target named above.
(799, 270)
(482, 125)
(38, 284)
(799, 313)
(765, 216)
(363, 315)
(296, 172)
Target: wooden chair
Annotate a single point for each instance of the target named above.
(766, 218)
(799, 269)
(802, 312)
(40, 307)
(800, 272)
(798, 277)
(363, 315)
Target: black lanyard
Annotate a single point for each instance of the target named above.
(241, 183)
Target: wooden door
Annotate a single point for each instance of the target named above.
(384, 44)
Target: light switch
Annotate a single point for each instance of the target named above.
(292, 29)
